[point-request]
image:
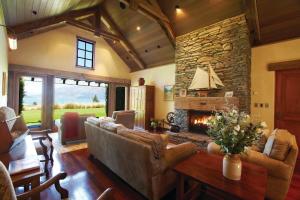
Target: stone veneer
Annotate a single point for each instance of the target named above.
(225, 45)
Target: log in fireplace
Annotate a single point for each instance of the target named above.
(198, 121)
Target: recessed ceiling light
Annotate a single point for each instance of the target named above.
(34, 12)
(138, 28)
(114, 41)
(146, 51)
(158, 46)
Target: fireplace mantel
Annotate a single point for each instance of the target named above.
(205, 103)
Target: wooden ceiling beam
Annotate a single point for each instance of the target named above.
(30, 26)
(253, 20)
(71, 18)
(154, 12)
(124, 42)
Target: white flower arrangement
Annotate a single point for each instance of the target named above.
(234, 131)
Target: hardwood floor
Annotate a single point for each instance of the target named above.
(87, 179)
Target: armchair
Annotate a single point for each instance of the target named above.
(125, 117)
(7, 189)
(18, 130)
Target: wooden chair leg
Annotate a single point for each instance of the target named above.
(63, 192)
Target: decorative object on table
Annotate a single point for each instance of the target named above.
(156, 125)
(204, 81)
(169, 92)
(141, 81)
(229, 94)
(171, 122)
(182, 92)
(234, 131)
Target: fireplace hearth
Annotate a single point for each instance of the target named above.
(198, 121)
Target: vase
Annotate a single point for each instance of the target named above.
(232, 167)
(141, 81)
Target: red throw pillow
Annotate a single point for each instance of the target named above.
(5, 138)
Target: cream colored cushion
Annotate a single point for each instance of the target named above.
(7, 191)
(269, 144)
(111, 126)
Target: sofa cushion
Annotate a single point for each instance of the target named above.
(111, 126)
(281, 142)
(156, 141)
(269, 144)
(97, 121)
(281, 145)
(6, 187)
(260, 145)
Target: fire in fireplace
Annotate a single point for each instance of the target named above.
(198, 121)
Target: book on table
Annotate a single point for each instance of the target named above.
(23, 165)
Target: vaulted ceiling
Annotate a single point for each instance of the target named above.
(142, 32)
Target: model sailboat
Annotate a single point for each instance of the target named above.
(205, 80)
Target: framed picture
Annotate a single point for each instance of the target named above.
(4, 80)
(229, 94)
(169, 92)
(182, 92)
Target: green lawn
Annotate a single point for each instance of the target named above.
(34, 116)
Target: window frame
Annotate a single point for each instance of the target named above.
(78, 38)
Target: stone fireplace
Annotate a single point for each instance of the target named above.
(224, 46)
(198, 120)
(192, 113)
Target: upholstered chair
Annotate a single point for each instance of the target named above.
(7, 191)
(125, 117)
(71, 127)
(18, 130)
(280, 172)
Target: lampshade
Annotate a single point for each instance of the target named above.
(12, 42)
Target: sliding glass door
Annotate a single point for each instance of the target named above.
(30, 100)
(83, 97)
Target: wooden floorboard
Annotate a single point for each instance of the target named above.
(87, 179)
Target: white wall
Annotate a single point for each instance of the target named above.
(56, 49)
(3, 57)
(158, 76)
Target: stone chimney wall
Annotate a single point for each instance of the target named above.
(226, 46)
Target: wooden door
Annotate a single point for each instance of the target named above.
(287, 102)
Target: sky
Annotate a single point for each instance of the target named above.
(63, 93)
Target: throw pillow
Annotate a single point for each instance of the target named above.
(111, 126)
(269, 144)
(281, 145)
(260, 145)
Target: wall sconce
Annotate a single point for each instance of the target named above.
(12, 39)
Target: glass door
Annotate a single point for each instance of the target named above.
(30, 100)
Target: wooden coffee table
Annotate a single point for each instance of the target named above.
(206, 170)
(23, 150)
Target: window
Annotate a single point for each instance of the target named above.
(85, 53)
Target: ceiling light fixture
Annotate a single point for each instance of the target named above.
(138, 28)
(177, 7)
(12, 38)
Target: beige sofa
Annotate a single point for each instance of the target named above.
(134, 160)
(279, 172)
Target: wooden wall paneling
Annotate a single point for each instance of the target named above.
(292, 64)
(111, 98)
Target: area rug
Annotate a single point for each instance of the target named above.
(68, 147)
